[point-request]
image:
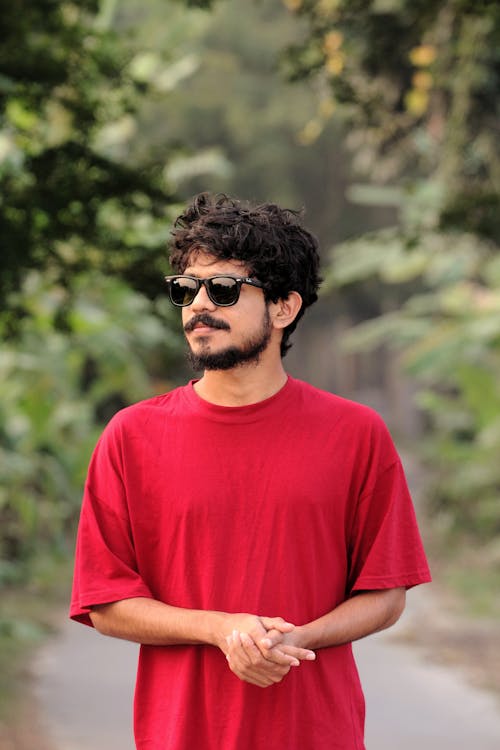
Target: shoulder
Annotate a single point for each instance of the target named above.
(352, 426)
(330, 405)
(145, 413)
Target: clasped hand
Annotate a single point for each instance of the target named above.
(262, 650)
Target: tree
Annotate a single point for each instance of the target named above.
(67, 98)
(419, 85)
(83, 245)
(237, 124)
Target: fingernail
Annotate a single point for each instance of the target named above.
(311, 656)
(295, 663)
(266, 643)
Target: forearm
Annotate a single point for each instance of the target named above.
(155, 623)
(363, 614)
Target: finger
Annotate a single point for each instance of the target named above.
(236, 654)
(303, 654)
(280, 658)
(276, 653)
(276, 667)
(237, 649)
(261, 682)
(272, 638)
(247, 663)
(250, 649)
(277, 623)
(246, 673)
(276, 641)
(237, 657)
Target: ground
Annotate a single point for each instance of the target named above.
(23, 729)
(444, 633)
(453, 637)
(457, 625)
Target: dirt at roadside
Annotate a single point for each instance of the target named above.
(441, 629)
(448, 637)
(24, 730)
(437, 628)
(472, 647)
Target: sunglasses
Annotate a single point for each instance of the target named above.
(223, 291)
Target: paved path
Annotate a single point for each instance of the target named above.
(85, 686)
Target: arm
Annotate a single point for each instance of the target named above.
(155, 623)
(152, 622)
(365, 613)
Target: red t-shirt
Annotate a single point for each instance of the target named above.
(280, 508)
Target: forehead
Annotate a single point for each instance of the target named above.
(203, 264)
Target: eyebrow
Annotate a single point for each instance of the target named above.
(235, 274)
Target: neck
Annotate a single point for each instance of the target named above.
(243, 385)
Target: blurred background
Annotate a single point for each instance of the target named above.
(378, 118)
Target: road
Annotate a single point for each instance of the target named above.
(85, 687)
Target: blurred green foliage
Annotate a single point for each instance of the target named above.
(56, 390)
(235, 123)
(83, 229)
(419, 85)
(68, 201)
(449, 335)
(110, 110)
(417, 81)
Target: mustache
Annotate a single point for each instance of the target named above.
(206, 320)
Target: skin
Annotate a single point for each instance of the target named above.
(259, 649)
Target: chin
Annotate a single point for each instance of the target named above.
(225, 359)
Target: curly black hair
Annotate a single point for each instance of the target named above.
(269, 240)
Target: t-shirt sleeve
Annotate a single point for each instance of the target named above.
(105, 562)
(385, 548)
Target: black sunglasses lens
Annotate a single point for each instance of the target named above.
(223, 290)
(183, 291)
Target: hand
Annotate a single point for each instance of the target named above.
(248, 663)
(277, 645)
(256, 627)
(266, 661)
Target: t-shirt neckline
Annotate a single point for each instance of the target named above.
(246, 413)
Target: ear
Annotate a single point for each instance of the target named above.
(284, 311)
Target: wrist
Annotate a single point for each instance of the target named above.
(302, 637)
(215, 628)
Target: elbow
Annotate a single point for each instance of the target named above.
(100, 621)
(397, 605)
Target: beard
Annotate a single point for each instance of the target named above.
(234, 356)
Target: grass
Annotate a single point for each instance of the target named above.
(26, 620)
(466, 567)
(476, 586)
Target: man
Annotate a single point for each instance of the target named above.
(245, 528)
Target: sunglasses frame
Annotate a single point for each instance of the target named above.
(206, 283)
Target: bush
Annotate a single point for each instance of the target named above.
(75, 362)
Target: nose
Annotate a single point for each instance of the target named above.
(202, 301)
